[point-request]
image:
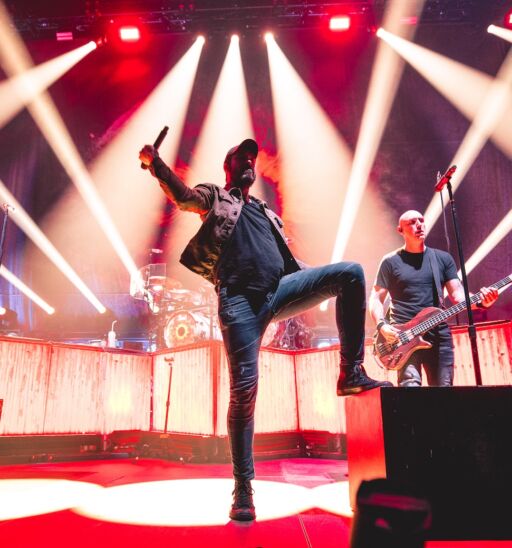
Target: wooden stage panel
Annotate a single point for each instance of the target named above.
(495, 352)
(90, 390)
(56, 388)
(276, 406)
(24, 368)
(317, 373)
(127, 392)
(319, 407)
(191, 398)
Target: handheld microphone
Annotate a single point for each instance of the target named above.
(157, 143)
(445, 179)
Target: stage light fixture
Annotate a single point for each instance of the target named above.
(268, 36)
(129, 33)
(508, 19)
(63, 36)
(339, 23)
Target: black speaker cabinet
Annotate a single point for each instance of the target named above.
(453, 445)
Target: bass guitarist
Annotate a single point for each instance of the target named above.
(414, 277)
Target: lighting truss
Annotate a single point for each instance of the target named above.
(183, 17)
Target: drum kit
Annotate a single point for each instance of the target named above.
(178, 316)
(182, 316)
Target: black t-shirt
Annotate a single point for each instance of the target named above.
(410, 281)
(251, 261)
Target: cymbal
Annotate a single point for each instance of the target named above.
(185, 296)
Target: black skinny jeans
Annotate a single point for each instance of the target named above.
(243, 321)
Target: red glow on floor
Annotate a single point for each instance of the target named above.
(96, 503)
(508, 20)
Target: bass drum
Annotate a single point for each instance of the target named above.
(270, 335)
(186, 327)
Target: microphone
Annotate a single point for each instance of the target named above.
(157, 143)
(7, 207)
(445, 179)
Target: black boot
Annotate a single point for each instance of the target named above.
(243, 507)
(353, 380)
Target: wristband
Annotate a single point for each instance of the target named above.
(381, 324)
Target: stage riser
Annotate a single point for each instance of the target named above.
(180, 447)
(451, 444)
(189, 448)
(24, 449)
(51, 388)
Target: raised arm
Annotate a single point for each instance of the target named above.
(196, 199)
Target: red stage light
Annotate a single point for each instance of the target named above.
(339, 23)
(508, 19)
(129, 34)
(63, 36)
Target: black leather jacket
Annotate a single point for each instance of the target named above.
(219, 210)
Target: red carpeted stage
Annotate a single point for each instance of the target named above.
(94, 465)
(125, 503)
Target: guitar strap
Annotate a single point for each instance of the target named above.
(434, 265)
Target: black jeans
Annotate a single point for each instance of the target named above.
(438, 361)
(243, 321)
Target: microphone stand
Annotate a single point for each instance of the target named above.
(5, 207)
(471, 323)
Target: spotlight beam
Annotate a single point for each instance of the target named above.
(494, 238)
(487, 102)
(386, 74)
(16, 282)
(226, 123)
(315, 154)
(490, 113)
(127, 190)
(492, 119)
(501, 32)
(20, 90)
(15, 60)
(22, 219)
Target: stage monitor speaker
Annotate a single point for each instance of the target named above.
(452, 444)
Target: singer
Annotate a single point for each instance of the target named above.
(241, 249)
(414, 277)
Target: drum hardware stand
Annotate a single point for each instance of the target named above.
(210, 315)
(156, 328)
(170, 361)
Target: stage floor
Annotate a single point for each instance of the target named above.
(146, 502)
